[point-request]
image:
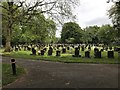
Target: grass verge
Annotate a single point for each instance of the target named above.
(66, 58)
(7, 76)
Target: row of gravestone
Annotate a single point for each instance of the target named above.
(64, 47)
(97, 53)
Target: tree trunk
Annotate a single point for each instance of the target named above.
(8, 44)
(8, 40)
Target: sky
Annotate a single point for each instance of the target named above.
(91, 12)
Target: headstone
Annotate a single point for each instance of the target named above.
(63, 50)
(33, 51)
(28, 48)
(39, 52)
(110, 54)
(87, 54)
(42, 52)
(76, 53)
(82, 47)
(106, 48)
(118, 55)
(50, 51)
(97, 54)
(96, 49)
(68, 48)
(57, 53)
(16, 48)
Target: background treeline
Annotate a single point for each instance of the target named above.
(72, 33)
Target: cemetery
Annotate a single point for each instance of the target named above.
(60, 53)
(54, 43)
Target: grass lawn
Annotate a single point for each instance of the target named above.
(66, 58)
(7, 76)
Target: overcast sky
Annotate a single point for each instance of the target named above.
(91, 12)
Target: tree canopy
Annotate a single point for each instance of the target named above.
(71, 33)
(21, 12)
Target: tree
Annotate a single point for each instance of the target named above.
(15, 12)
(106, 34)
(90, 34)
(114, 14)
(71, 33)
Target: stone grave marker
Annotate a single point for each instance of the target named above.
(33, 51)
(77, 53)
(82, 48)
(89, 47)
(42, 52)
(63, 50)
(68, 48)
(58, 53)
(39, 53)
(50, 51)
(16, 48)
(97, 53)
(110, 54)
(87, 54)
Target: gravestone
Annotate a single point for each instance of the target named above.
(42, 52)
(97, 53)
(29, 48)
(50, 51)
(82, 48)
(106, 48)
(16, 48)
(68, 48)
(87, 54)
(110, 54)
(63, 50)
(118, 55)
(39, 52)
(96, 49)
(33, 51)
(76, 53)
(57, 53)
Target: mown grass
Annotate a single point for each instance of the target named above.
(7, 76)
(66, 58)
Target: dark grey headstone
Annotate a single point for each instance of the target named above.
(63, 50)
(87, 54)
(42, 52)
(57, 53)
(110, 54)
(77, 53)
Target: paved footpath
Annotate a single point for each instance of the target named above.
(46, 74)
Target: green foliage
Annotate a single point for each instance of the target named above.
(90, 34)
(106, 34)
(114, 14)
(71, 33)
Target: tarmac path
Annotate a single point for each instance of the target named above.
(46, 74)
